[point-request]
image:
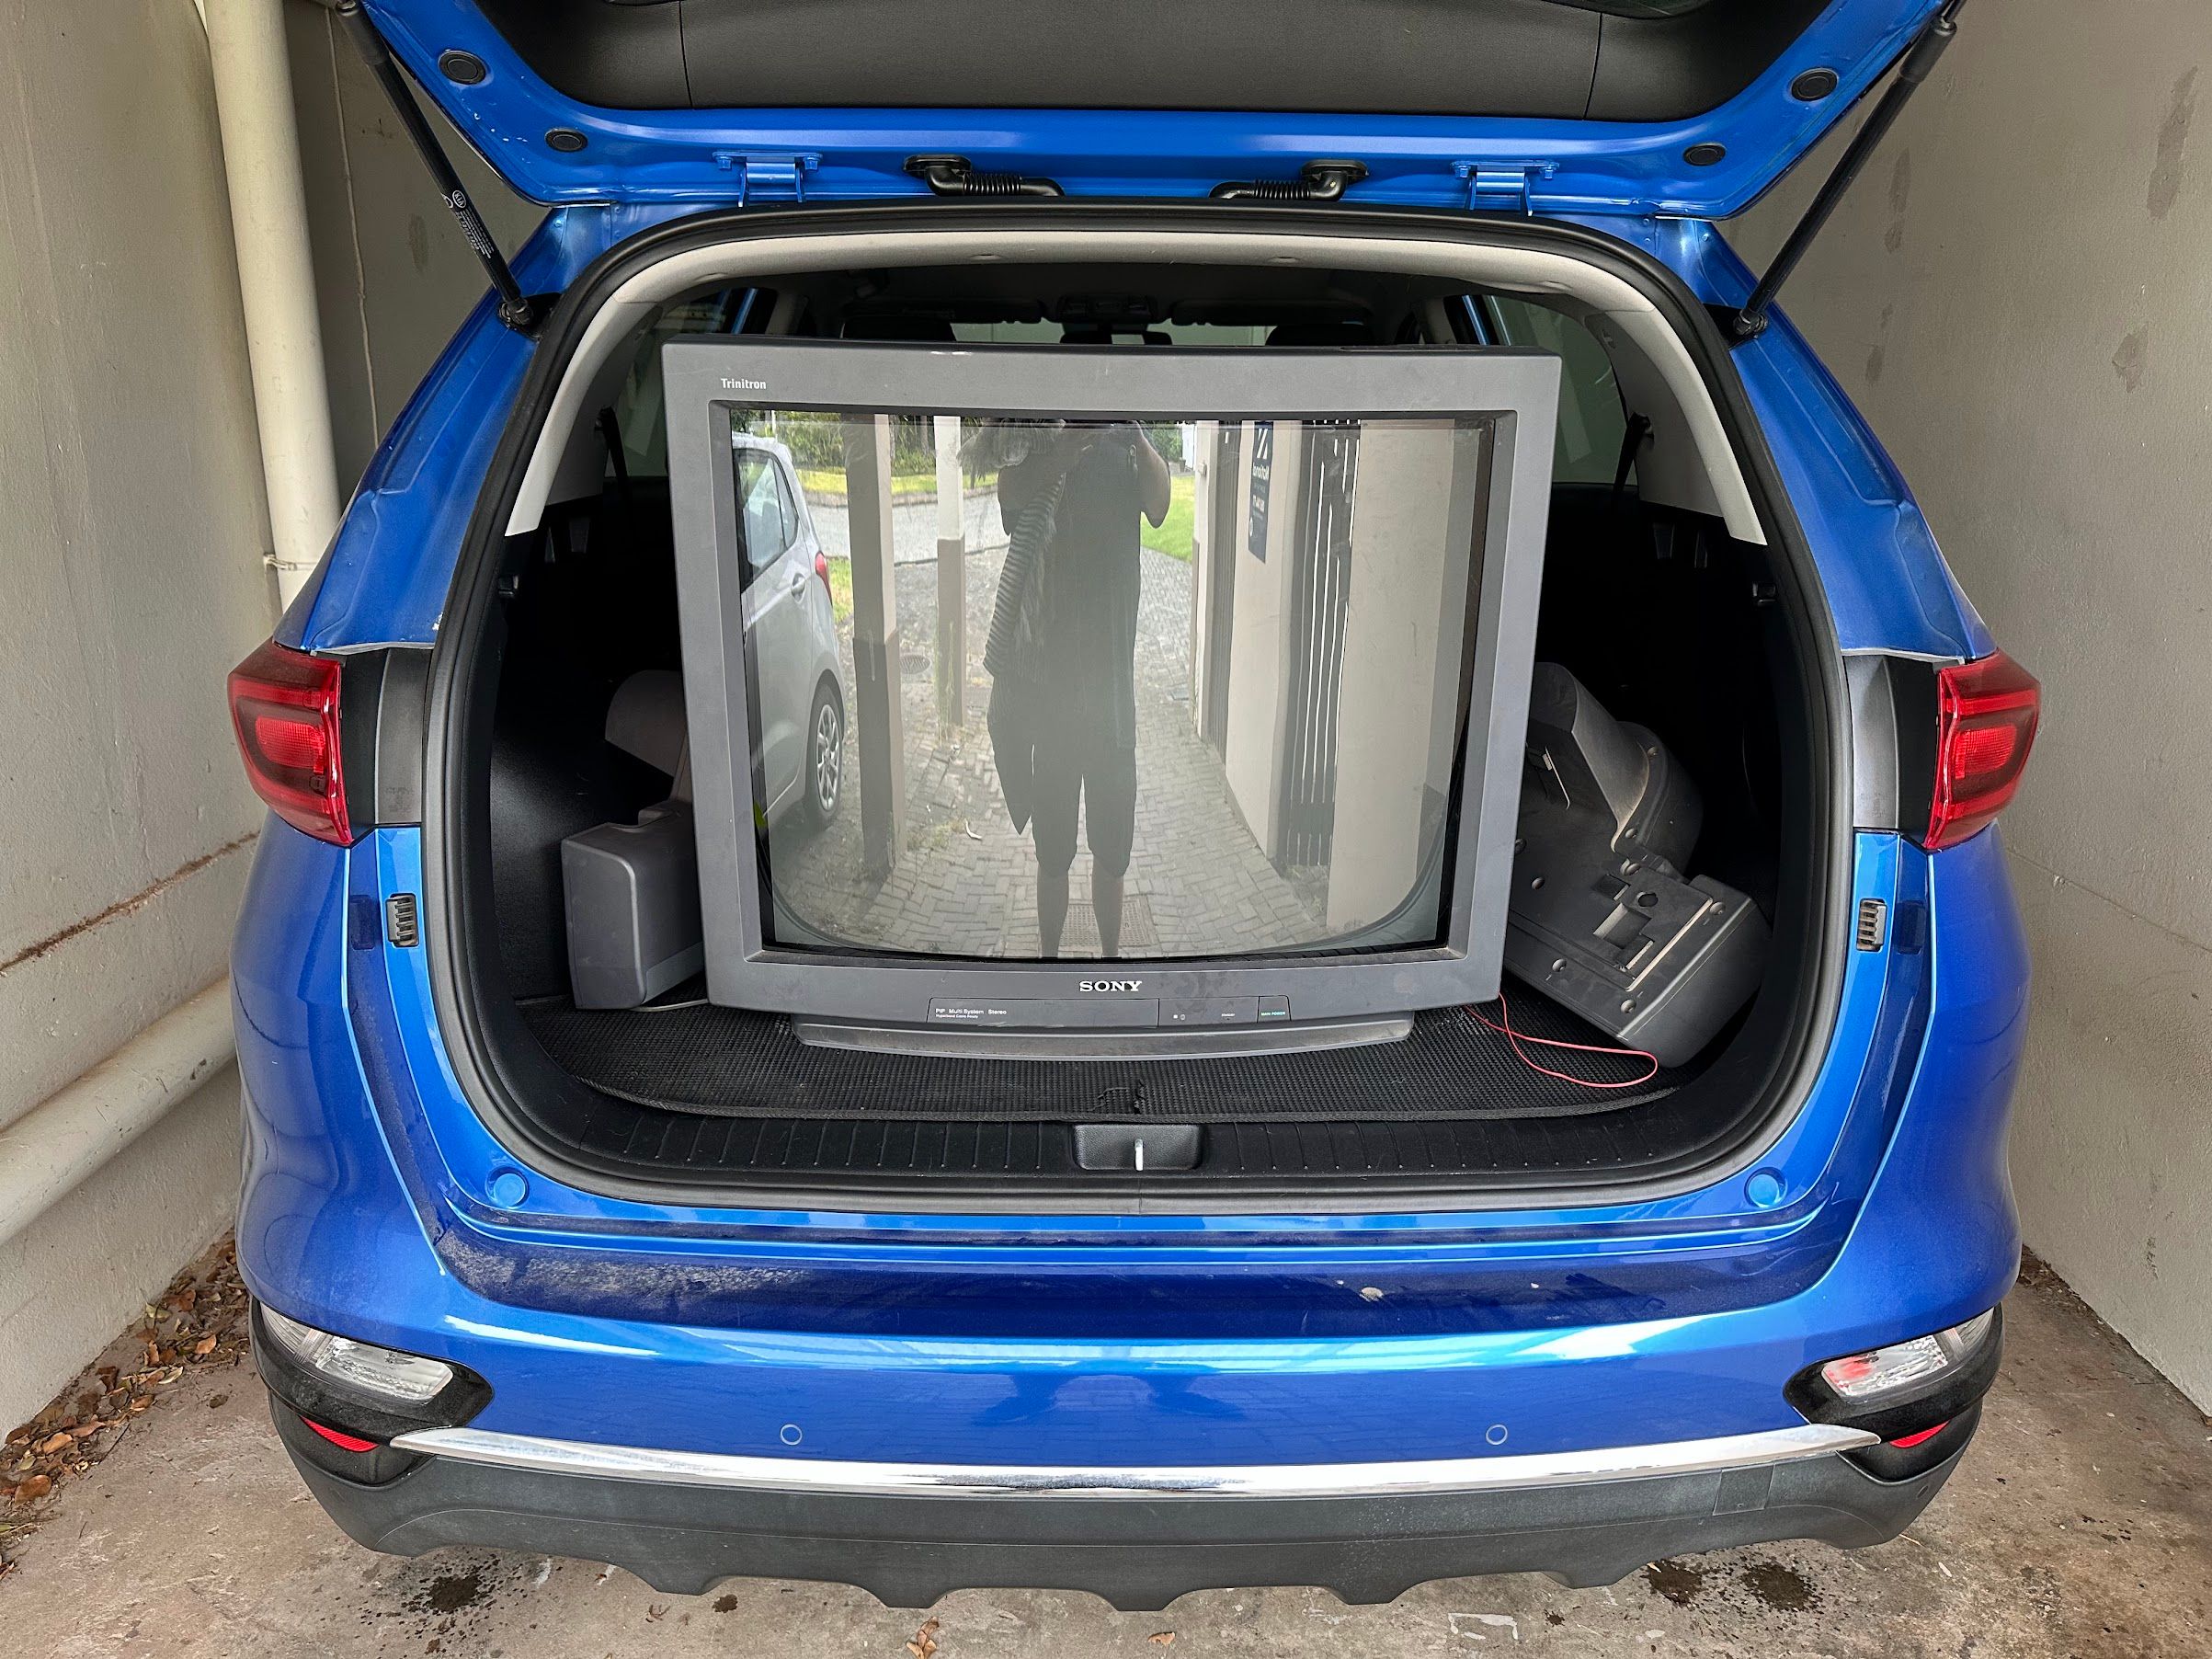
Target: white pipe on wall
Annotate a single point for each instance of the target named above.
(276, 280)
(52, 1147)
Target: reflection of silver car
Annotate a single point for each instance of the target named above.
(797, 689)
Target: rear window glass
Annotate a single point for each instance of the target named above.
(638, 415)
(1048, 333)
(1593, 424)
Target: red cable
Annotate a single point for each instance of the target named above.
(1515, 1038)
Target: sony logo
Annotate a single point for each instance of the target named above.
(1110, 985)
(737, 382)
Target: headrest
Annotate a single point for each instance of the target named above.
(1343, 333)
(891, 325)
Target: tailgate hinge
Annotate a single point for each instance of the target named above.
(768, 177)
(1502, 187)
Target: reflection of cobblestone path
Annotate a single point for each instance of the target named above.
(913, 527)
(968, 884)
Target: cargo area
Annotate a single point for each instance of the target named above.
(1667, 623)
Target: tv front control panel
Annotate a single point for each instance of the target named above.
(1117, 1027)
(1107, 1014)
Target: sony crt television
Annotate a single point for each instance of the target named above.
(1089, 701)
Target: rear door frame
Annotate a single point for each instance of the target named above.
(456, 887)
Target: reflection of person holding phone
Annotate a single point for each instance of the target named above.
(1081, 623)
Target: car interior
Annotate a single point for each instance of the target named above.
(1650, 601)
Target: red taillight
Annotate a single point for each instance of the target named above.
(284, 711)
(822, 570)
(343, 1441)
(1985, 724)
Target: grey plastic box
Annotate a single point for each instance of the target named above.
(631, 898)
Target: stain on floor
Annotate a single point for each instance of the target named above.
(450, 1592)
(1782, 1589)
(1674, 1581)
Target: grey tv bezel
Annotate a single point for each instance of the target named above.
(705, 377)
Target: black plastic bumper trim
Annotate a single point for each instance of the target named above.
(1136, 1553)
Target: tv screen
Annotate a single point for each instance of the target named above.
(1105, 689)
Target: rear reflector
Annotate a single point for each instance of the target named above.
(284, 712)
(1985, 724)
(344, 1442)
(1907, 1442)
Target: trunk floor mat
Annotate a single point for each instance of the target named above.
(697, 1058)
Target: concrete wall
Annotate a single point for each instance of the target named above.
(132, 530)
(392, 276)
(2018, 293)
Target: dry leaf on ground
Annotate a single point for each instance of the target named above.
(199, 1322)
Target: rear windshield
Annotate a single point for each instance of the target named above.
(1593, 426)
(1593, 421)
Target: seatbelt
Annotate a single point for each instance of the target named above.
(611, 433)
(1632, 440)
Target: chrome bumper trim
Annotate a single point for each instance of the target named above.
(824, 1475)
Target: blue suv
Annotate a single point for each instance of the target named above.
(539, 1276)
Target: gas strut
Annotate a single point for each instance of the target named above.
(516, 310)
(1749, 321)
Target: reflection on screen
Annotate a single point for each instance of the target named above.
(1090, 689)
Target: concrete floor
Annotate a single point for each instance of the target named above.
(2079, 1525)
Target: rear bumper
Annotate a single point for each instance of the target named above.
(911, 1534)
(1115, 1339)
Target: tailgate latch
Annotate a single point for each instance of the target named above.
(768, 177)
(1502, 187)
(1137, 1149)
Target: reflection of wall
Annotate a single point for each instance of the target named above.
(1409, 540)
(878, 715)
(1201, 453)
(1258, 645)
(1472, 511)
